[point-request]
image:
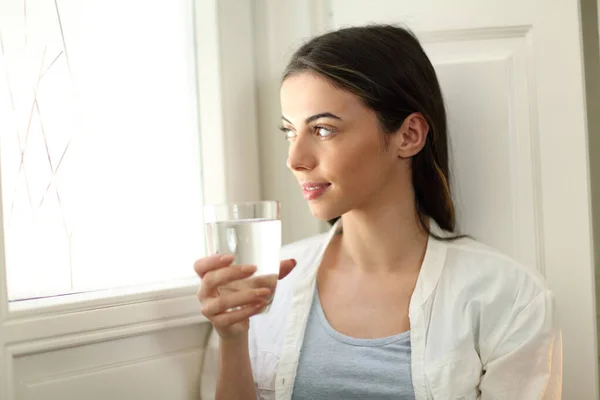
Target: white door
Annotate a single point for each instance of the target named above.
(140, 335)
(512, 75)
(511, 72)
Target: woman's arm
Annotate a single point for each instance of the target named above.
(526, 363)
(235, 380)
(226, 372)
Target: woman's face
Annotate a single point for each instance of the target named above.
(336, 149)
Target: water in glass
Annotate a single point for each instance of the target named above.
(253, 242)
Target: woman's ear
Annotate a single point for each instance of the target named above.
(412, 135)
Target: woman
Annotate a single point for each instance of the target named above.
(391, 303)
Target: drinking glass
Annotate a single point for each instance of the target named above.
(251, 232)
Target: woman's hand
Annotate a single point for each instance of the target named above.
(216, 271)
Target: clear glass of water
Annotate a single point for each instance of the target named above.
(251, 232)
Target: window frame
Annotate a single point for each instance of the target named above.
(224, 91)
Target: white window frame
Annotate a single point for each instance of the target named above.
(228, 126)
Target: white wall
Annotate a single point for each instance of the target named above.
(280, 28)
(106, 353)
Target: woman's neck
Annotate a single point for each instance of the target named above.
(384, 238)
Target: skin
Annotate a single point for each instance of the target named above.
(369, 271)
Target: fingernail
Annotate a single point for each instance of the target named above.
(248, 268)
(262, 292)
(226, 258)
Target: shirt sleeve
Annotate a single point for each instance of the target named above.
(526, 363)
(253, 351)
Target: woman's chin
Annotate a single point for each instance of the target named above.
(323, 213)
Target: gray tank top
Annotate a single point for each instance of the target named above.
(335, 366)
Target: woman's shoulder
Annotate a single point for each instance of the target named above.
(505, 304)
(490, 273)
(304, 246)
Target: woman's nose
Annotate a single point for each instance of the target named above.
(301, 155)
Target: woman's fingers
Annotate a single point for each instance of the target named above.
(226, 319)
(218, 305)
(211, 263)
(286, 267)
(214, 279)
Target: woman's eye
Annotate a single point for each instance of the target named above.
(323, 132)
(289, 134)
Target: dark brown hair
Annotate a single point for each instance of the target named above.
(386, 67)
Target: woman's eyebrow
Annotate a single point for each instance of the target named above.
(315, 117)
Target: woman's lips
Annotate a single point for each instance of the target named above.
(314, 190)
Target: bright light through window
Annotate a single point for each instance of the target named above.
(99, 138)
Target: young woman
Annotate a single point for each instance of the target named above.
(392, 303)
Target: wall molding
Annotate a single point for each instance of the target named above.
(101, 368)
(104, 319)
(29, 347)
(457, 35)
(74, 339)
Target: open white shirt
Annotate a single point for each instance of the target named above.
(482, 327)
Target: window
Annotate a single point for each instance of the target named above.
(99, 145)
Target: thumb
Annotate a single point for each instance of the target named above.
(285, 267)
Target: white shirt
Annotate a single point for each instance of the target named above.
(482, 327)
